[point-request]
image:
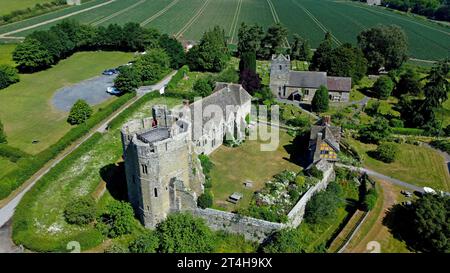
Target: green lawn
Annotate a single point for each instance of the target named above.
(233, 166)
(26, 109)
(417, 165)
(6, 54)
(78, 178)
(11, 5)
(6, 166)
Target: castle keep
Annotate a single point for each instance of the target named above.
(161, 152)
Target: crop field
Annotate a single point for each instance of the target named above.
(9, 5)
(308, 18)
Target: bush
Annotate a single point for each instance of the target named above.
(8, 76)
(12, 153)
(128, 80)
(314, 172)
(386, 152)
(79, 113)
(443, 145)
(375, 132)
(323, 205)
(205, 200)
(202, 87)
(172, 85)
(320, 100)
(80, 211)
(119, 218)
(395, 122)
(383, 87)
(370, 199)
(206, 163)
(408, 131)
(145, 243)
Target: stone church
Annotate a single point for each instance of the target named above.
(302, 85)
(161, 152)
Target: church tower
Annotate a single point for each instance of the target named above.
(279, 74)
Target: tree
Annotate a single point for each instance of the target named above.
(383, 87)
(300, 49)
(205, 200)
(119, 218)
(250, 81)
(247, 61)
(321, 58)
(148, 242)
(2, 134)
(80, 211)
(249, 38)
(136, 37)
(202, 87)
(437, 87)
(273, 41)
(285, 241)
(128, 79)
(409, 83)
(370, 199)
(31, 56)
(174, 49)
(211, 54)
(386, 152)
(323, 205)
(52, 42)
(320, 100)
(431, 222)
(383, 46)
(8, 76)
(346, 61)
(152, 66)
(376, 131)
(79, 113)
(182, 233)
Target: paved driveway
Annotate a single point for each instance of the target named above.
(93, 91)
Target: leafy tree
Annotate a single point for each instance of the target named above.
(174, 49)
(346, 61)
(437, 87)
(285, 241)
(384, 46)
(182, 233)
(80, 211)
(137, 37)
(2, 134)
(247, 61)
(375, 132)
(31, 55)
(273, 41)
(52, 42)
(383, 87)
(119, 218)
(148, 242)
(228, 75)
(205, 200)
(8, 75)
(370, 199)
(250, 81)
(152, 66)
(386, 152)
(320, 100)
(323, 205)
(265, 96)
(79, 113)
(321, 58)
(431, 222)
(202, 87)
(314, 172)
(128, 79)
(409, 83)
(211, 54)
(249, 38)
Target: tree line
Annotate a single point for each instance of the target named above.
(434, 9)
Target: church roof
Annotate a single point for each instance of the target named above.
(339, 84)
(307, 79)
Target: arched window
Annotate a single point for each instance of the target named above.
(156, 192)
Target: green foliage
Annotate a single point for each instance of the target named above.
(375, 132)
(273, 41)
(151, 67)
(79, 113)
(148, 242)
(383, 87)
(431, 223)
(437, 87)
(320, 100)
(321, 58)
(202, 87)
(247, 61)
(409, 83)
(229, 74)
(2, 134)
(37, 9)
(443, 145)
(206, 163)
(300, 49)
(211, 54)
(315, 172)
(346, 61)
(174, 49)
(12, 153)
(205, 200)
(386, 152)
(249, 38)
(383, 46)
(182, 233)
(395, 122)
(129, 79)
(172, 85)
(370, 199)
(118, 218)
(265, 96)
(284, 241)
(80, 211)
(31, 56)
(8, 76)
(323, 205)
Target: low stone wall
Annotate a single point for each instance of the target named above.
(253, 229)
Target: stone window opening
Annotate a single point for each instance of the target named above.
(156, 192)
(144, 169)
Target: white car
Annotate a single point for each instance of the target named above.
(113, 91)
(429, 190)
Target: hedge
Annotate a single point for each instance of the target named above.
(443, 145)
(177, 78)
(30, 165)
(12, 153)
(408, 131)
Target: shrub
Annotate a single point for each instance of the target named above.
(8, 76)
(202, 87)
(375, 132)
(314, 172)
(395, 122)
(386, 152)
(79, 113)
(80, 211)
(323, 205)
(205, 200)
(12, 153)
(408, 131)
(206, 163)
(443, 145)
(320, 100)
(370, 199)
(383, 87)
(145, 243)
(128, 80)
(119, 218)
(172, 85)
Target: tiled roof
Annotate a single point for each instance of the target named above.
(307, 79)
(339, 84)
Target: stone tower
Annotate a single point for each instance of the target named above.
(279, 73)
(159, 166)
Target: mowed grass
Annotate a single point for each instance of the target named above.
(233, 166)
(79, 178)
(26, 108)
(6, 51)
(7, 6)
(416, 165)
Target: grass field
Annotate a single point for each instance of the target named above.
(417, 165)
(6, 54)
(11, 5)
(309, 18)
(233, 166)
(26, 109)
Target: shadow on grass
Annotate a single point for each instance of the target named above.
(116, 183)
(398, 220)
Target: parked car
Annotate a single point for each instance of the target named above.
(429, 190)
(109, 72)
(113, 91)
